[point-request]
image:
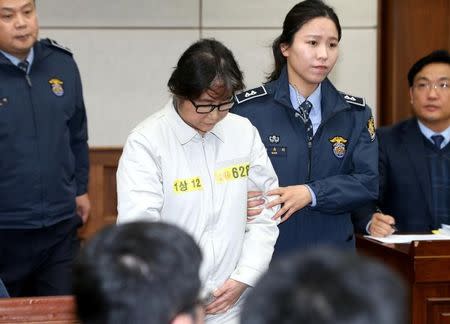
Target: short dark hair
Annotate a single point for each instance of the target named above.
(438, 56)
(299, 15)
(136, 273)
(325, 287)
(203, 65)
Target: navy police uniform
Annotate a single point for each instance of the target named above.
(341, 165)
(44, 166)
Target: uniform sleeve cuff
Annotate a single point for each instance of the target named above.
(246, 275)
(81, 190)
(313, 196)
(368, 227)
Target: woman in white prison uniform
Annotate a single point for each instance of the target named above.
(192, 164)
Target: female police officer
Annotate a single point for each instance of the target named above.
(321, 142)
(192, 163)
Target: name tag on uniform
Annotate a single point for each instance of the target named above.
(187, 185)
(233, 172)
(277, 150)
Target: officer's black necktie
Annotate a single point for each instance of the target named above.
(305, 109)
(23, 65)
(437, 140)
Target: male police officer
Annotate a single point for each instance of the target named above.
(43, 156)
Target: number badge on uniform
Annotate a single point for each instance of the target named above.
(233, 172)
(57, 87)
(339, 146)
(181, 186)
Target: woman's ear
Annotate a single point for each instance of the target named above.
(284, 48)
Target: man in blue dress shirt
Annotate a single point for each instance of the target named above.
(414, 157)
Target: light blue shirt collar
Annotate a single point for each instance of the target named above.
(316, 100)
(428, 133)
(14, 60)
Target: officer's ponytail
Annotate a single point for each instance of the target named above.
(299, 15)
(279, 59)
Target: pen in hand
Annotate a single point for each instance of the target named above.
(378, 210)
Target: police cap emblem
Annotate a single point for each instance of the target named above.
(339, 146)
(57, 87)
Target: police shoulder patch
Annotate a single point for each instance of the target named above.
(371, 128)
(54, 43)
(359, 101)
(251, 94)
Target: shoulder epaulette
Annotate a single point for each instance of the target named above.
(354, 100)
(251, 94)
(54, 43)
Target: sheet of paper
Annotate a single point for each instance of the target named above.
(445, 229)
(399, 238)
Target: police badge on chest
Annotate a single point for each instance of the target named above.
(339, 146)
(57, 86)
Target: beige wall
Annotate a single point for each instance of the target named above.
(126, 49)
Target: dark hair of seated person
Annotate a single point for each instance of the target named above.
(139, 272)
(327, 287)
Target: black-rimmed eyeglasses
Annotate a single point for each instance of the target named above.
(206, 109)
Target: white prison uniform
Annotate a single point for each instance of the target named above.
(169, 172)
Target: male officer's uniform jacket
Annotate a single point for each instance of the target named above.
(341, 167)
(43, 139)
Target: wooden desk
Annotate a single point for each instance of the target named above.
(38, 310)
(425, 265)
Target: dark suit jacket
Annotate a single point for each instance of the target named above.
(405, 188)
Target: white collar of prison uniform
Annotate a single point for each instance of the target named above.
(183, 131)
